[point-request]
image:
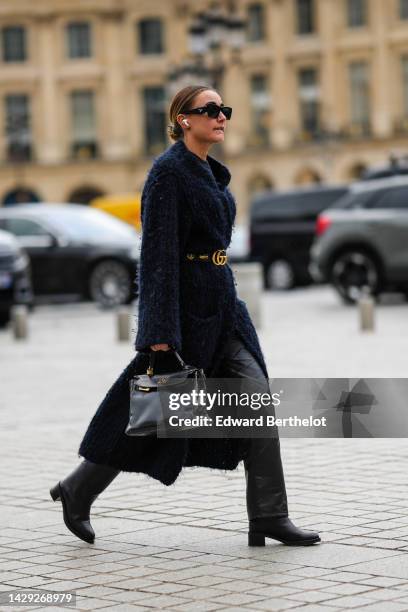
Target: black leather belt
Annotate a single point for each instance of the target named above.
(218, 257)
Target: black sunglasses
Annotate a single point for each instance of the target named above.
(212, 110)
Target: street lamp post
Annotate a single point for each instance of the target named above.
(213, 34)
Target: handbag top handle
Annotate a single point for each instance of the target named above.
(152, 358)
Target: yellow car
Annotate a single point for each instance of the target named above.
(124, 206)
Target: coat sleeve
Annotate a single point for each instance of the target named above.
(159, 294)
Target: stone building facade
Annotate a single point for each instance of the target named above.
(319, 91)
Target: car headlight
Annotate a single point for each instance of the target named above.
(21, 261)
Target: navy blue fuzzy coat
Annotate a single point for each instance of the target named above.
(186, 206)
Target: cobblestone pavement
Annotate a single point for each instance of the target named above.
(184, 547)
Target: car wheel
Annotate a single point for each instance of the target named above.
(280, 275)
(110, 283)
(354, 273)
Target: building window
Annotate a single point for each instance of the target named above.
(258, 184)
(84, 194)
(356, 13)
(20, 195)
(150, 35)
(359, 96)
(154, 119)
(256, 23)
(14, 44)
(309, 98)
(307, 176)
(356, 172)
(83, 125)
(402, 122)
(18, 127)
(403, 9)
(79, 40)
(260, 109)
(404, 65)
(305, 16)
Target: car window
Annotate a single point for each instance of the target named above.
(83, 223)
(363, 199)
(25, 227)
(318, 201)
(397, 197)
(297, 203)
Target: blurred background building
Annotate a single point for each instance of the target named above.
(319, 90)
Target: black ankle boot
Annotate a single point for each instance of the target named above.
(279, 528)
(78, 491)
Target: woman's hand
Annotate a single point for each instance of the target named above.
(160, 347)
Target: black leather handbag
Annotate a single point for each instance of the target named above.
(148, 411)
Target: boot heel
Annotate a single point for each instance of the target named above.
(55, 492)
(256, 539)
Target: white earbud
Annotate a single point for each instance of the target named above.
(185, 122)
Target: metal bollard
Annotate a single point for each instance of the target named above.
(366, 311)
(249, 287)
(123, 324)
(19, 321)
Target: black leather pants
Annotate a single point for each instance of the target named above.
(265, 483)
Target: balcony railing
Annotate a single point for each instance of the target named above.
(17, 152)
(401, 125)
(357, 130)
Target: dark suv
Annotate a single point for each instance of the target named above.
(361, 242)
(282, 230)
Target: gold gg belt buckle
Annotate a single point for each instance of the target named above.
(219, 257)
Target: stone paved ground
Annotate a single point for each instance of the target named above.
(184, 547)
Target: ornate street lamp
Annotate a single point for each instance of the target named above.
(212, 34)
(190, 71)
(215, 31)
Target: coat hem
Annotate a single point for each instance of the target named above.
(123, 466)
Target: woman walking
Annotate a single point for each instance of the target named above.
(187, 300)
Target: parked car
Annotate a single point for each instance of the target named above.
(282, 231)
(76, 250)
(361, 242)
(15, 276)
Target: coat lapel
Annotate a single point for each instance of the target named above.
(212, 169)
(206, 178)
